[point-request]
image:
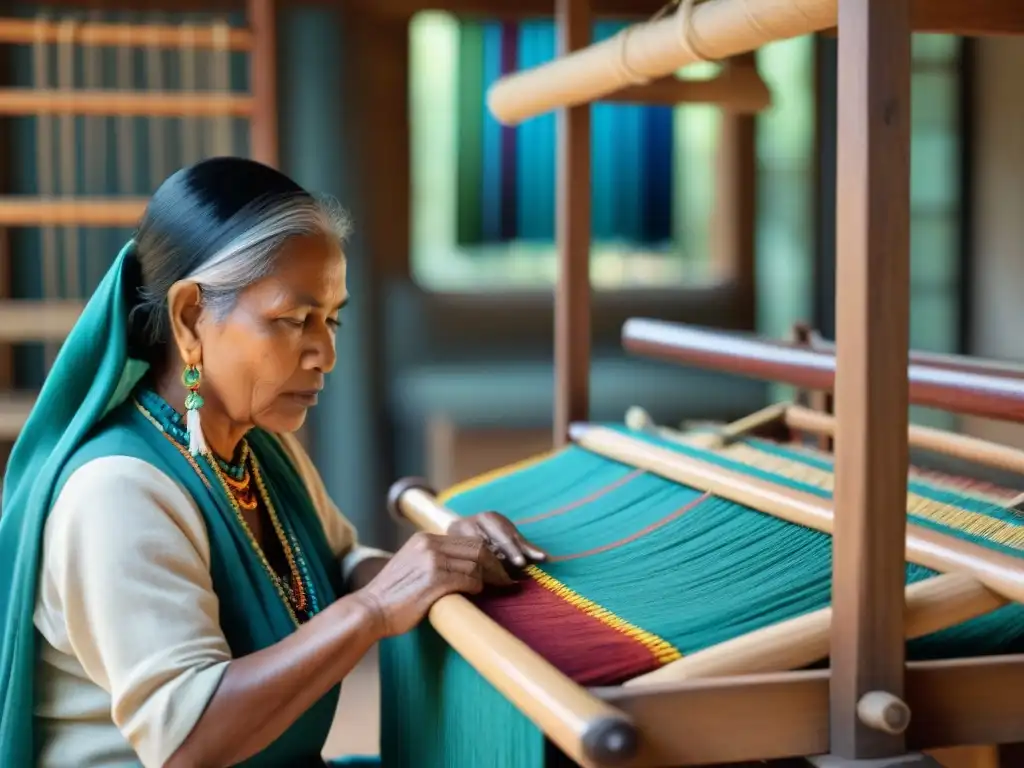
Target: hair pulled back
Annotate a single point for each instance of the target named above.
(221, 224)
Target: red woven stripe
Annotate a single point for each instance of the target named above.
(585, 649)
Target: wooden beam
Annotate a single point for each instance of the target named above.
(970, 701)
(872, 322)
(735, 213)
(980, 17)
(82, 212)
(26, 32)
(262, 18)
(572, 292)
(24, 320)
(29, 101)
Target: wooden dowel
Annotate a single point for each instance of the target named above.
(926, 438)
(639, 420)
(1002, 573)
(948, 362)
(655, 49)
(25, 101)
(883, 712)
(587, 729)
(931, 605)
(24, 32)
(83, 212)
(998, 397)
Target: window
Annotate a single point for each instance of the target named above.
(484, 194)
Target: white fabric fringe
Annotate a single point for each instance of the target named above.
(196, 438)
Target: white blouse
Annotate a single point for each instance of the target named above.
(131, 648)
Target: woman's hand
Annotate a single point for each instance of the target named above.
(426, 569)
(501, 536)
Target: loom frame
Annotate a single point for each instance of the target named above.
(872, 394)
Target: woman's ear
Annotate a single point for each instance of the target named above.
(184, 306)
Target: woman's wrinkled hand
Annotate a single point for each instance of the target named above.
(427, 568)
(501, 536)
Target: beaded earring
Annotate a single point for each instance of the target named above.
(191, 377)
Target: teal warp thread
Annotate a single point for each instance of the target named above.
(439, 712)
(718, 571)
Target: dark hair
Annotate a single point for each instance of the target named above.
(221, 224)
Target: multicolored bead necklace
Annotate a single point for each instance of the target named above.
(245, 489)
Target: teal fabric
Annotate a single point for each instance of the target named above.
(716, 571)
(82, 413)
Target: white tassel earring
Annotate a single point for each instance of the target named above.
(191, 377)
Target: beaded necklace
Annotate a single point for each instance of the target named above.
(245, 489)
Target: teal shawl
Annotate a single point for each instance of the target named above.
(84, 412)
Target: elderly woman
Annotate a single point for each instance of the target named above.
(179, 590)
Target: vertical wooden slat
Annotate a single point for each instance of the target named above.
(872, 314)
(736, 204)
(572, 294)
(263, 80)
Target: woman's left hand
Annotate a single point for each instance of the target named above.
(502, 537)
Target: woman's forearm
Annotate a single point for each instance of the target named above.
(261, 695)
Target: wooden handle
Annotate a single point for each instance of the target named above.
(1002, 573)
(932, 605)
(999, 397)
(590, 731)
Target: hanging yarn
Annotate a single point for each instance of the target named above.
(643, 571)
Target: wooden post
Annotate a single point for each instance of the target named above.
(572, 294)
(262, 20)
(735, 214)
(872, 321)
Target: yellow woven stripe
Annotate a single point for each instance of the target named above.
(494, 474)
(974, 523)
(662, 651)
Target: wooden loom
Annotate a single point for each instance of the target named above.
(870, 705)
(204, 107)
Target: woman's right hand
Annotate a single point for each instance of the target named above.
(426, 569)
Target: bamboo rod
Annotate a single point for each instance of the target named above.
(25, 101)
(927, 438)
(999, 397)
(24, 32)
(931, 605)
(1001, 573)
(587, 729)
(83, 212)
(712, 30)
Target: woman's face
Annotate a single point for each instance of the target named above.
(264, 363)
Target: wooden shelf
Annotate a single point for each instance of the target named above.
(25, 32)
(14, 410)
(28, 101)
(22, 320)
(72, 212)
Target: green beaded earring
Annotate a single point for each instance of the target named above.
(191, 377)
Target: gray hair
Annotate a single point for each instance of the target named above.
(245, 257)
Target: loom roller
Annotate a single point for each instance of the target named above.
(974, 581)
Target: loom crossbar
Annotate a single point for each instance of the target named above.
(1000, 397)
(70, 212)
(27, 101)
(958, 702)
(653, 50)
(589, 730)
(25, 32)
